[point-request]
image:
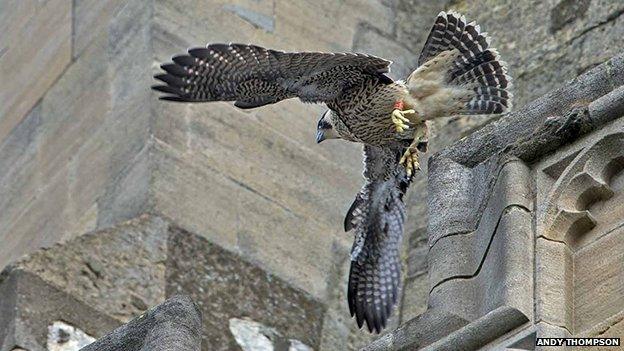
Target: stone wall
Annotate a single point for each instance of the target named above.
(84, 144)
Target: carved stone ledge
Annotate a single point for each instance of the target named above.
(583, 183)
(473, 273)
(173, 325)
(580, 228)
(441, 330)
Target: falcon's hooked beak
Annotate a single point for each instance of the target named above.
(320, 136)
(324, 129)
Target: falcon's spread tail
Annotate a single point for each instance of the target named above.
(377, 216)
(457, 56)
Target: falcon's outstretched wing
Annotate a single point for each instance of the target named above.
(254, 76)
(377, 217)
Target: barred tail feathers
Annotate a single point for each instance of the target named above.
(469, 64)
(486, 76)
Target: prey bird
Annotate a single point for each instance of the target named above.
(458, 74)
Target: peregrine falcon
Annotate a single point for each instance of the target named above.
(458, 74)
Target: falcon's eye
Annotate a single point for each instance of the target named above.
(323, 124)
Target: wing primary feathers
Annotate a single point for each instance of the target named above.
(171, 80)
(167, 89)
(376, 217)
(351, 217)
(174, 69)
(173, 98)
(184, 60)
(253, 76)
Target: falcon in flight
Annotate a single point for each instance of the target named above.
(458, 74)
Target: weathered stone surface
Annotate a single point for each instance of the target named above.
(129, 195)
(269, 163)
(579, 202)
(371, 40)
(18, 178)
(40, 223)
(319, 18)
(462, 254)
(412, 27)
(453, 210)
(554, 284)
(34, 51)
(598, 292)
(418, 252)
(119, 270)
(567, 11)
(29, 305)
(503, 278)
(611, 327)
(419, 332)
(224, 286)
(91, 17)
(482, 331)
(243, 220)
(415, 296)
(173, 325)
(85, 130)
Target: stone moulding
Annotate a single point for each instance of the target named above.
(475, 272)
(584, 183)
(579, 227)
(441, 330)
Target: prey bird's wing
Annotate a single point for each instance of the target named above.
(377, 216)
(253, 76)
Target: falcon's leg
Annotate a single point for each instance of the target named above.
(410, 157)
(398, 117)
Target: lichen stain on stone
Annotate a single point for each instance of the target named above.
(567, 11)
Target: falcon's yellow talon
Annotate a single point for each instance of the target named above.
(400, 120)
(410, 161)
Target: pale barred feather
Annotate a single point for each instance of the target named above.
(459, 72)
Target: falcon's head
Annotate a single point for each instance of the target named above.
(325, 128)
